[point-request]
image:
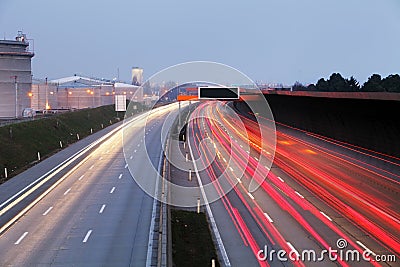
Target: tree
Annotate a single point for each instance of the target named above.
(374, 84)
(297, 86)
(337, 83)
(322, 85)
(312, 87)
(353, 84)
(391, 83)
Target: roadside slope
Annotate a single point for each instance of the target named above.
(21, 142)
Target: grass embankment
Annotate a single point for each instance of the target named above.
(192, 244)
(20, 143)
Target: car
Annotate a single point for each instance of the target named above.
(28, 113)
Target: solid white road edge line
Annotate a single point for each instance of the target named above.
(27, 190)
(153, 215)
(58, 168)
(40, 197)
(209, 212)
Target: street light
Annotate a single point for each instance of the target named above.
(47, 97)
(16, 95)
(92, 93)
(68, 94)
(30, 94)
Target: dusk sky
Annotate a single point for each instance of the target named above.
(269, 40)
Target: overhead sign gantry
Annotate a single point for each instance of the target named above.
(213, 93)
(220, 93)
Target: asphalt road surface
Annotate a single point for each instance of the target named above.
(313, 197)
(98, 215)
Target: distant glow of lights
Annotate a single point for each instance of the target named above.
(309, 151)
(284, 142)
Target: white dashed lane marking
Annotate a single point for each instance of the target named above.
(66, 192)
(87, 236)
(21, 238)
(102, 208)
(268, 218)
(300, 195)
(326, 216)
(47, 211)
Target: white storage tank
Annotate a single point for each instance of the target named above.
(15, 76)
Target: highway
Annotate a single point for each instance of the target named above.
(315, 194)
(98, 215)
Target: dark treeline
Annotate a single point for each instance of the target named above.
(336, 83)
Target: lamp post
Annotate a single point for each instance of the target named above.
(90, 93)
(67, 93)
(16, 95)
(47, 98)
(30, 94)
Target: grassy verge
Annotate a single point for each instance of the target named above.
(176, 133)
(192, 244)
(20, 143)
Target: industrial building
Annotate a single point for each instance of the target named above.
(78, 92)
(15, 76)
(43, 95)
(18, 91)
